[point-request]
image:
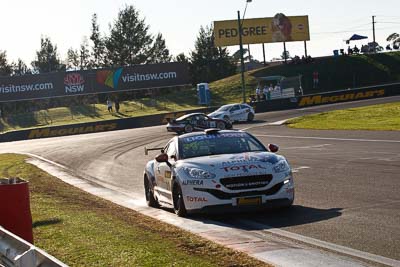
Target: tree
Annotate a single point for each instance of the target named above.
(209, 63)
(129, 42)
(159, 52)
(395, 39)
(73, 59)
(181, 58)
(285, 55)
(99, 46)
(84, 55)
(20, 68)
(47, 59)
(5, 68)
(236, 56)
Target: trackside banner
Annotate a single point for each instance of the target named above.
(280, 28)
(73, 83)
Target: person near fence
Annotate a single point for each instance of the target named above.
(265, 92)
(116, 104)
(315, 79)
(258, 93)
(109, 105)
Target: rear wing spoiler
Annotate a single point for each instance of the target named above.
(146, 150)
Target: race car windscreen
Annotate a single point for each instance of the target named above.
(217, 144)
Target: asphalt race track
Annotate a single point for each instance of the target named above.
(347, 182)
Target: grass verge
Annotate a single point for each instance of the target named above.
(84, 230)
(376, 117)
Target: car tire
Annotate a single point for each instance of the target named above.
(150, 199)
(250, 117)
(188, 128)
(177, 198)
(221, 125)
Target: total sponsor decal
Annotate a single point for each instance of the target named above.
(74, 83)
(196, 199)
(108, 77)
(244, 168)
(192, 182)
(47, 132)
(319, 99)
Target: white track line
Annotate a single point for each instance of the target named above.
(328, 138)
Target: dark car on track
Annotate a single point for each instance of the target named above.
(195, 122)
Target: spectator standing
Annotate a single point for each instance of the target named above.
(265, 92)
(116, 104)
(258, 93)
(109, 105)
(315, 79)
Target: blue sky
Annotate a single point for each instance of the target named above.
(67, 22)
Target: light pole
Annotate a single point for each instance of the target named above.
(240, 24)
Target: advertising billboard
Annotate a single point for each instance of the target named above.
(280, 28)
(73, 83)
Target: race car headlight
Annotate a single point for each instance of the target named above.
(281, 166)
(198, 173)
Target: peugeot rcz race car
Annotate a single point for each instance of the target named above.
(215, 171)
(194, 122)
(234, 112)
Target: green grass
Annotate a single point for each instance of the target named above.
(376, 117)
(83, 230)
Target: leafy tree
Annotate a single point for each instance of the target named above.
(73, 61)
(5, 68)
(181, 58)
(20, 68)
(236, 56)
(129, 42)
(47, 59)
(285, 55)
(99, 46)
(395, 39)
(159, 52)
(84, 55)
(209, 63)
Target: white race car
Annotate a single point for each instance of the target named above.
(218, 170)
(234, 112)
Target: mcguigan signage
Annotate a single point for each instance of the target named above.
(48, 132)
(321, 99)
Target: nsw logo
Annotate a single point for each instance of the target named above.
(109, 78)
(74, 83)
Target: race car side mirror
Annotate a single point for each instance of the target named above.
(162, 157)
(273, 148)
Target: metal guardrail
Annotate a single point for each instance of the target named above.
(16, 252)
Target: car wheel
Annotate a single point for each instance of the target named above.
(177, 197)
(150, 199)
(221, 125)
(250, 117)
(188, 128)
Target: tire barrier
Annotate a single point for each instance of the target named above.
(15, 208)
(14, 251)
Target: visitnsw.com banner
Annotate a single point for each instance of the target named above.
(93, 81)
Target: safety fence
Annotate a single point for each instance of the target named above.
(159, 119)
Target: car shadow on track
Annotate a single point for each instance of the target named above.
(277, 218)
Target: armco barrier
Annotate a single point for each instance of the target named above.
(15, 212)
(94, 127)
(14, 251)
(328, 98)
